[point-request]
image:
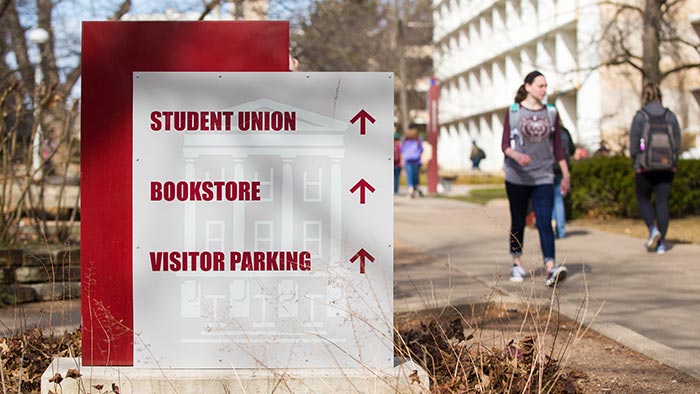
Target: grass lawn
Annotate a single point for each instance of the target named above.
(681, 230)
(482, 196)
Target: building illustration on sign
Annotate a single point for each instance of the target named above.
(297, 171)
(259, 262)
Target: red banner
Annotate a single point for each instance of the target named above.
(433, 133)
(111, 53)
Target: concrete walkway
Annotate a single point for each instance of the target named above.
(648, 302)
(451, 253)
(53, 317)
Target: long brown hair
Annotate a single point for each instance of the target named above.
(651, 92)
(529, 79)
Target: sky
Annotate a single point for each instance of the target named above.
(69, 15)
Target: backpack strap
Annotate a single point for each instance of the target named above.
(670, 128)
(552, 114)
(514, 116)
(647, 124)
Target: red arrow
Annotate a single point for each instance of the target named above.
(362, 254)
(363, 185)
(362, 116)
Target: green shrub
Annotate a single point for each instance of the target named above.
(604, 187)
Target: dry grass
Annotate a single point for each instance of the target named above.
(488, 348)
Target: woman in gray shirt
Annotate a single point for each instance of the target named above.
(531, 144)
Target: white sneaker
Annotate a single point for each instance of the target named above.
(556, 274)
(661, 249)
(517, 273)
(653, 240)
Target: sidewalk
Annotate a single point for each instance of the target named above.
(648, 302)
(53, 317)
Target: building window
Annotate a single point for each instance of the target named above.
(222, 175)
(312, 237)
(313, 186)
(263, 235)
(266, 185)
(214, 235)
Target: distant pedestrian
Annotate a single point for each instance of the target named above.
(603, 150)
(411, 150)
(476, 156)
(532, 144)
(397, 162)
(655, 137)
(559, 212)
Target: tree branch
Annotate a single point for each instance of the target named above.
(208, 8)
(625, 57)
(19, 47)
(623, 7)
(44, 10)
(667, 6)
(74, 74)
(123, 9)
(624, 60)
(71, 80)
(4, 5)
(614, 24)
(681, 40)
(679, 68)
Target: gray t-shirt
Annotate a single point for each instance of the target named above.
(536, 138)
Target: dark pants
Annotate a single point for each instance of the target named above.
(397, 177)
(542, 197)
(657, 183)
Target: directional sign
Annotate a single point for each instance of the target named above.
(247, 231)
(362, 116)
(362, 255)
(362, 185)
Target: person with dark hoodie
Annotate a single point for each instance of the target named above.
(655, 137)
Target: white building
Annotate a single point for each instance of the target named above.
(485, 48)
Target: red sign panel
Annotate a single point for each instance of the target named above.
(433, 133)
(111, 52)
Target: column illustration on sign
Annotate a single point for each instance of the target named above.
(257, 209)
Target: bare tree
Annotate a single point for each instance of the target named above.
(368, 35)
(341, 35)
(34, 101)
(55, 86)
(640, 34)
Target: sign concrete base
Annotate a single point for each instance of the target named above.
(400, 379)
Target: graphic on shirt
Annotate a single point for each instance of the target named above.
(535, 128)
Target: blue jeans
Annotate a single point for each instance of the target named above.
(559, 212)
(412, 169)
(542, 204)
(397, 176)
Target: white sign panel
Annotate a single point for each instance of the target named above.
(263, 220)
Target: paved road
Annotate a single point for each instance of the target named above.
(648, 302)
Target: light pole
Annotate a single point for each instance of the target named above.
(38, 36)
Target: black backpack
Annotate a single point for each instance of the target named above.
(657, 145)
